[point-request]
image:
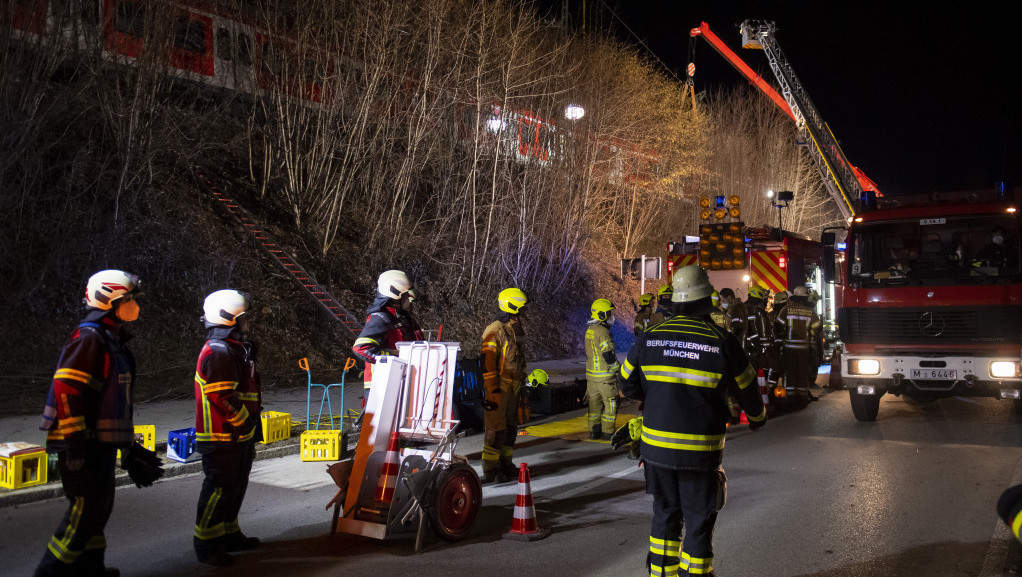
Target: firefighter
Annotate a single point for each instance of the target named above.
(717, 314)
(1009, 509)
(601, 371)
(815, 347)
(734, 310)
(663, 308)
(389, 320)
(88, 417)
(503, 355)
(644, 313)
(682, 370)
(796, 329)
(227, 425)
(758, 327)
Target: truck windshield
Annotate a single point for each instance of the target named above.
(972, 249)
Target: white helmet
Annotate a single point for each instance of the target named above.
(393, 284)
(224, 307)
(106, 286)
(691, 284)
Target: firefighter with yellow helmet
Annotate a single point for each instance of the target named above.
(503, 356)
(663, 309)
(683, 370)
(644, 313)
(601, 371)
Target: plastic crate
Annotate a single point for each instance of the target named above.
(145, 435)
(22, 465)
(322, 445)
(181, 445)
(554, 398)
(276, 426)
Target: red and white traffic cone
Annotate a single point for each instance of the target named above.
(388, 472)
(524, 526)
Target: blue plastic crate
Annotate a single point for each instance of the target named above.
(181, 445)
(468, 380)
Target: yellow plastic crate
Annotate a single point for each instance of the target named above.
(22, 465)
(322, 445)
(276, 426)
(145, 435)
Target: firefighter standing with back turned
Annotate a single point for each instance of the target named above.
(227, 426)
(682, 370)
(88, 417)
(601, 371)
(797, 328)
(503, 355)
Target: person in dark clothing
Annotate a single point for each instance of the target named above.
(228, 401)
(683, 370)
(389, 321)
(999, 253)
(88, 417)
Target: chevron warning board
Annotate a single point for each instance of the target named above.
(770, 269)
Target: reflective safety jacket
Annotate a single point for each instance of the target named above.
(759, 330)
(228, 398)
(642, 319)
(719, 318)
(737, 316)
(385, 326)
(797, 326)
(503, 357)
(91, 393)
(601, 360)
(683, 371)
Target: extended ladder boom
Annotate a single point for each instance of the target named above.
(826, 152)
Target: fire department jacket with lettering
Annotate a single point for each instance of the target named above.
(227, 391)
(797, 326)
(386, 325)
(91, 393)
(683, 369)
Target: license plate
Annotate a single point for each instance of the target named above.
(934, 374)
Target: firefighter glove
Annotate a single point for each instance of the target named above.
(620, 437)
(144, 467)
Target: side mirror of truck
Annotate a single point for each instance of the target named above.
(828, 239)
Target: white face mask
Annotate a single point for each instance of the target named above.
(610, 319)
(998, 240)
(724, 305)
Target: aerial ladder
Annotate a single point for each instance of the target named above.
(844, 181)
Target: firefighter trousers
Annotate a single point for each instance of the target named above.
(226, 467)
(796, 364)
(79, 545)
(499, 443)
(602, 405)
(682, 498)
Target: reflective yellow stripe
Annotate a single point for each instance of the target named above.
(80, 376)
(203, 530)
(59, 546)
(365, 341)
(219, 386)
(761, 416)
(747, 377)
(248, 396)
(669, 374)
(239, 418)
(212, 436)
(1016, 525)
(626, 369)
(697, 565)
(682, 441)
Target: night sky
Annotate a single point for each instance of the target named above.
(922, 96)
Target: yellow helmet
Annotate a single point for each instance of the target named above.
(715, 298)
(664, 289)
(538, 378)
(600, 310)
(646, 300)
(511, 300)
(758, 292)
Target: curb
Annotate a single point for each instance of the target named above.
(54, 489)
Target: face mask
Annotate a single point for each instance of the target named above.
(724, 305)
(128, 311)
(610, 319)
(998, 240)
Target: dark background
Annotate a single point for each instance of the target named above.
(922, 96)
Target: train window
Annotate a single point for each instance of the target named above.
(190, 35)
(224, 50)
(244, 49)
(130, 18)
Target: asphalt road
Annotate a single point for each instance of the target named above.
(813, 493)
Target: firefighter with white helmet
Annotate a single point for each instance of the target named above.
(503, 356)
(796, 329)
(601, 371)
(642, 316)
(683, 370)
(389, 321)
(88, 417)
(228, 401)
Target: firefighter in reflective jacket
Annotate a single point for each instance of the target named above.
(796, 329)
(88, 417)
(759, 329)
(227, 426)
(644, 313)
(503, 355)
(734, 311)
(663, 308)
(389, 321)
(717, 314)
(601, 371)
(682, 370)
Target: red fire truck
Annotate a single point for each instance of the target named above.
(930, 301)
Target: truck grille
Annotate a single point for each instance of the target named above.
(934, 325)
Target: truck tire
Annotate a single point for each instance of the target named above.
(864, 407)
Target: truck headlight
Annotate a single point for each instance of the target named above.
(1004, 369)
(864, 367)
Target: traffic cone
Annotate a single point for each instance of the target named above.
(744, 420)
(524, 526)
(388, 472)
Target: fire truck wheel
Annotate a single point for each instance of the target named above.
(456, 502)
(865, 407)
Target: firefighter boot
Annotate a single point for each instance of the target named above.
(596, 434)
(239, 542)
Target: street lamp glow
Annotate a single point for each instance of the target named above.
(574, 112)
(770, 194)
